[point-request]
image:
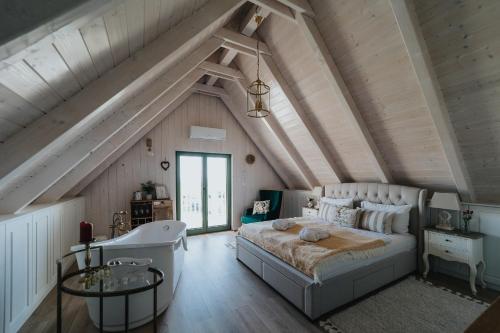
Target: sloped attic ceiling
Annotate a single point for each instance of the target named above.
(356, 96)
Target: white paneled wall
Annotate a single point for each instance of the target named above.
(30, 244)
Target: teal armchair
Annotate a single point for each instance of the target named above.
(275, 198)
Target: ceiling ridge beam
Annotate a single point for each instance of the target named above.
(44, 138)
(149, 116)
(283, 140)
(302, 117)
(96, 172)
(427, 79)
(257, 140)
(276, 8)
(334, 78)
(21, 194)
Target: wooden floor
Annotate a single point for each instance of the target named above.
(216, 293)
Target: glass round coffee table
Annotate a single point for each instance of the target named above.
(97, 282)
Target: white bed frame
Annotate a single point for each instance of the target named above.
(314, 299)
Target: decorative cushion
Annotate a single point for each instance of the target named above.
(401, 222)
(261, 207)
(347, 202)
(327, 211)
(347, 217)
(376, 220)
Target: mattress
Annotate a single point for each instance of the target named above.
(345, 262)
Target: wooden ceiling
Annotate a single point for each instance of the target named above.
(360, 90)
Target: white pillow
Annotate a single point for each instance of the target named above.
(347, 202)
(401, 222)
(327, 211)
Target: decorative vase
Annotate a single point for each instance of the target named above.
(149, 196)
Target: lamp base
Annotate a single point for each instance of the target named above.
(444, 227)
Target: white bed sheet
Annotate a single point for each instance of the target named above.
(337, 265)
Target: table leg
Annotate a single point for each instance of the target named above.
(126, 313)
(426, 264)
(472, 278)
(481, 274)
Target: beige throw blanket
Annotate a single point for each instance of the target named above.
(305, 256)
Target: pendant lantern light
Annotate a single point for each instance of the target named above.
(258, 93)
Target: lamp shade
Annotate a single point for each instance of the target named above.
(317, 191)
(449, 201)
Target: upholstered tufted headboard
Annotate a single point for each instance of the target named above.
(387, 194)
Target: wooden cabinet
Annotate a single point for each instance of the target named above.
(30, 244)
(145, 211)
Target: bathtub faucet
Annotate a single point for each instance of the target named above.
(119, 222)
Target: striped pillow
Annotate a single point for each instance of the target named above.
(327, 211)
(377, 221)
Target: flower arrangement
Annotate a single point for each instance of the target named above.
(149, 189)
(467, 216)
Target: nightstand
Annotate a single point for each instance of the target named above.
(457, 246)
(306, 211)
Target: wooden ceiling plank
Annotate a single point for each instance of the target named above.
(332, 74)
(32, 146)
(427, 79)
(16, 108)
(276, 8)
(20, 194)
(301, 6)
(246, 125)
(18, 48)
(283, 140)
(135, 23)
(300, 114)
(97, 42)
(72, 48)
(98, 156)
(151, 20)
(116, 27)
(48, 63)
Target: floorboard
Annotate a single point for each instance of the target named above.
(216, 293)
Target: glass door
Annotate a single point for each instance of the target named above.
(204, 191)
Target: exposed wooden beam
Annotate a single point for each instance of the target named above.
(247, 27)
(261, 145)
(304, 121)
(241, 40)
(301, 6)
(21, 194)
(334, 78)
(16, 49)
(221, 69)
(42, 140)
(235, 48)
(78, 188)
(427, 79)
(104, 151)
(209, 90)
(276, 8)
(283, 140)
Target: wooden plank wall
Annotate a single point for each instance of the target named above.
(463, 41)
(112, 190)
(365, 42)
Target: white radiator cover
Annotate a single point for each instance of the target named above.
(207, 133)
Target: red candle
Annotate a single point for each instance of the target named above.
(86, 232)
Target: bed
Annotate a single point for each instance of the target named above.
(345, 281)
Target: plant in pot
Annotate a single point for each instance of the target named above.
(149, 189)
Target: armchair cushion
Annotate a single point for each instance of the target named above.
(275, 198)
(253, 218)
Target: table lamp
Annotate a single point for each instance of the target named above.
(317, 192)
(445, 201)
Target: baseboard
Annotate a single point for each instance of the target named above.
(492, 282)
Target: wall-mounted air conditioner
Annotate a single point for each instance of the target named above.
(207, 133)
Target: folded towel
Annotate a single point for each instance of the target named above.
(282, 225)
(313, 235)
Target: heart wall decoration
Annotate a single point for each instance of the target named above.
(165, 165)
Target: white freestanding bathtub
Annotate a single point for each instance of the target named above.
(162, 241)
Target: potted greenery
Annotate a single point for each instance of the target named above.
(149, 189)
